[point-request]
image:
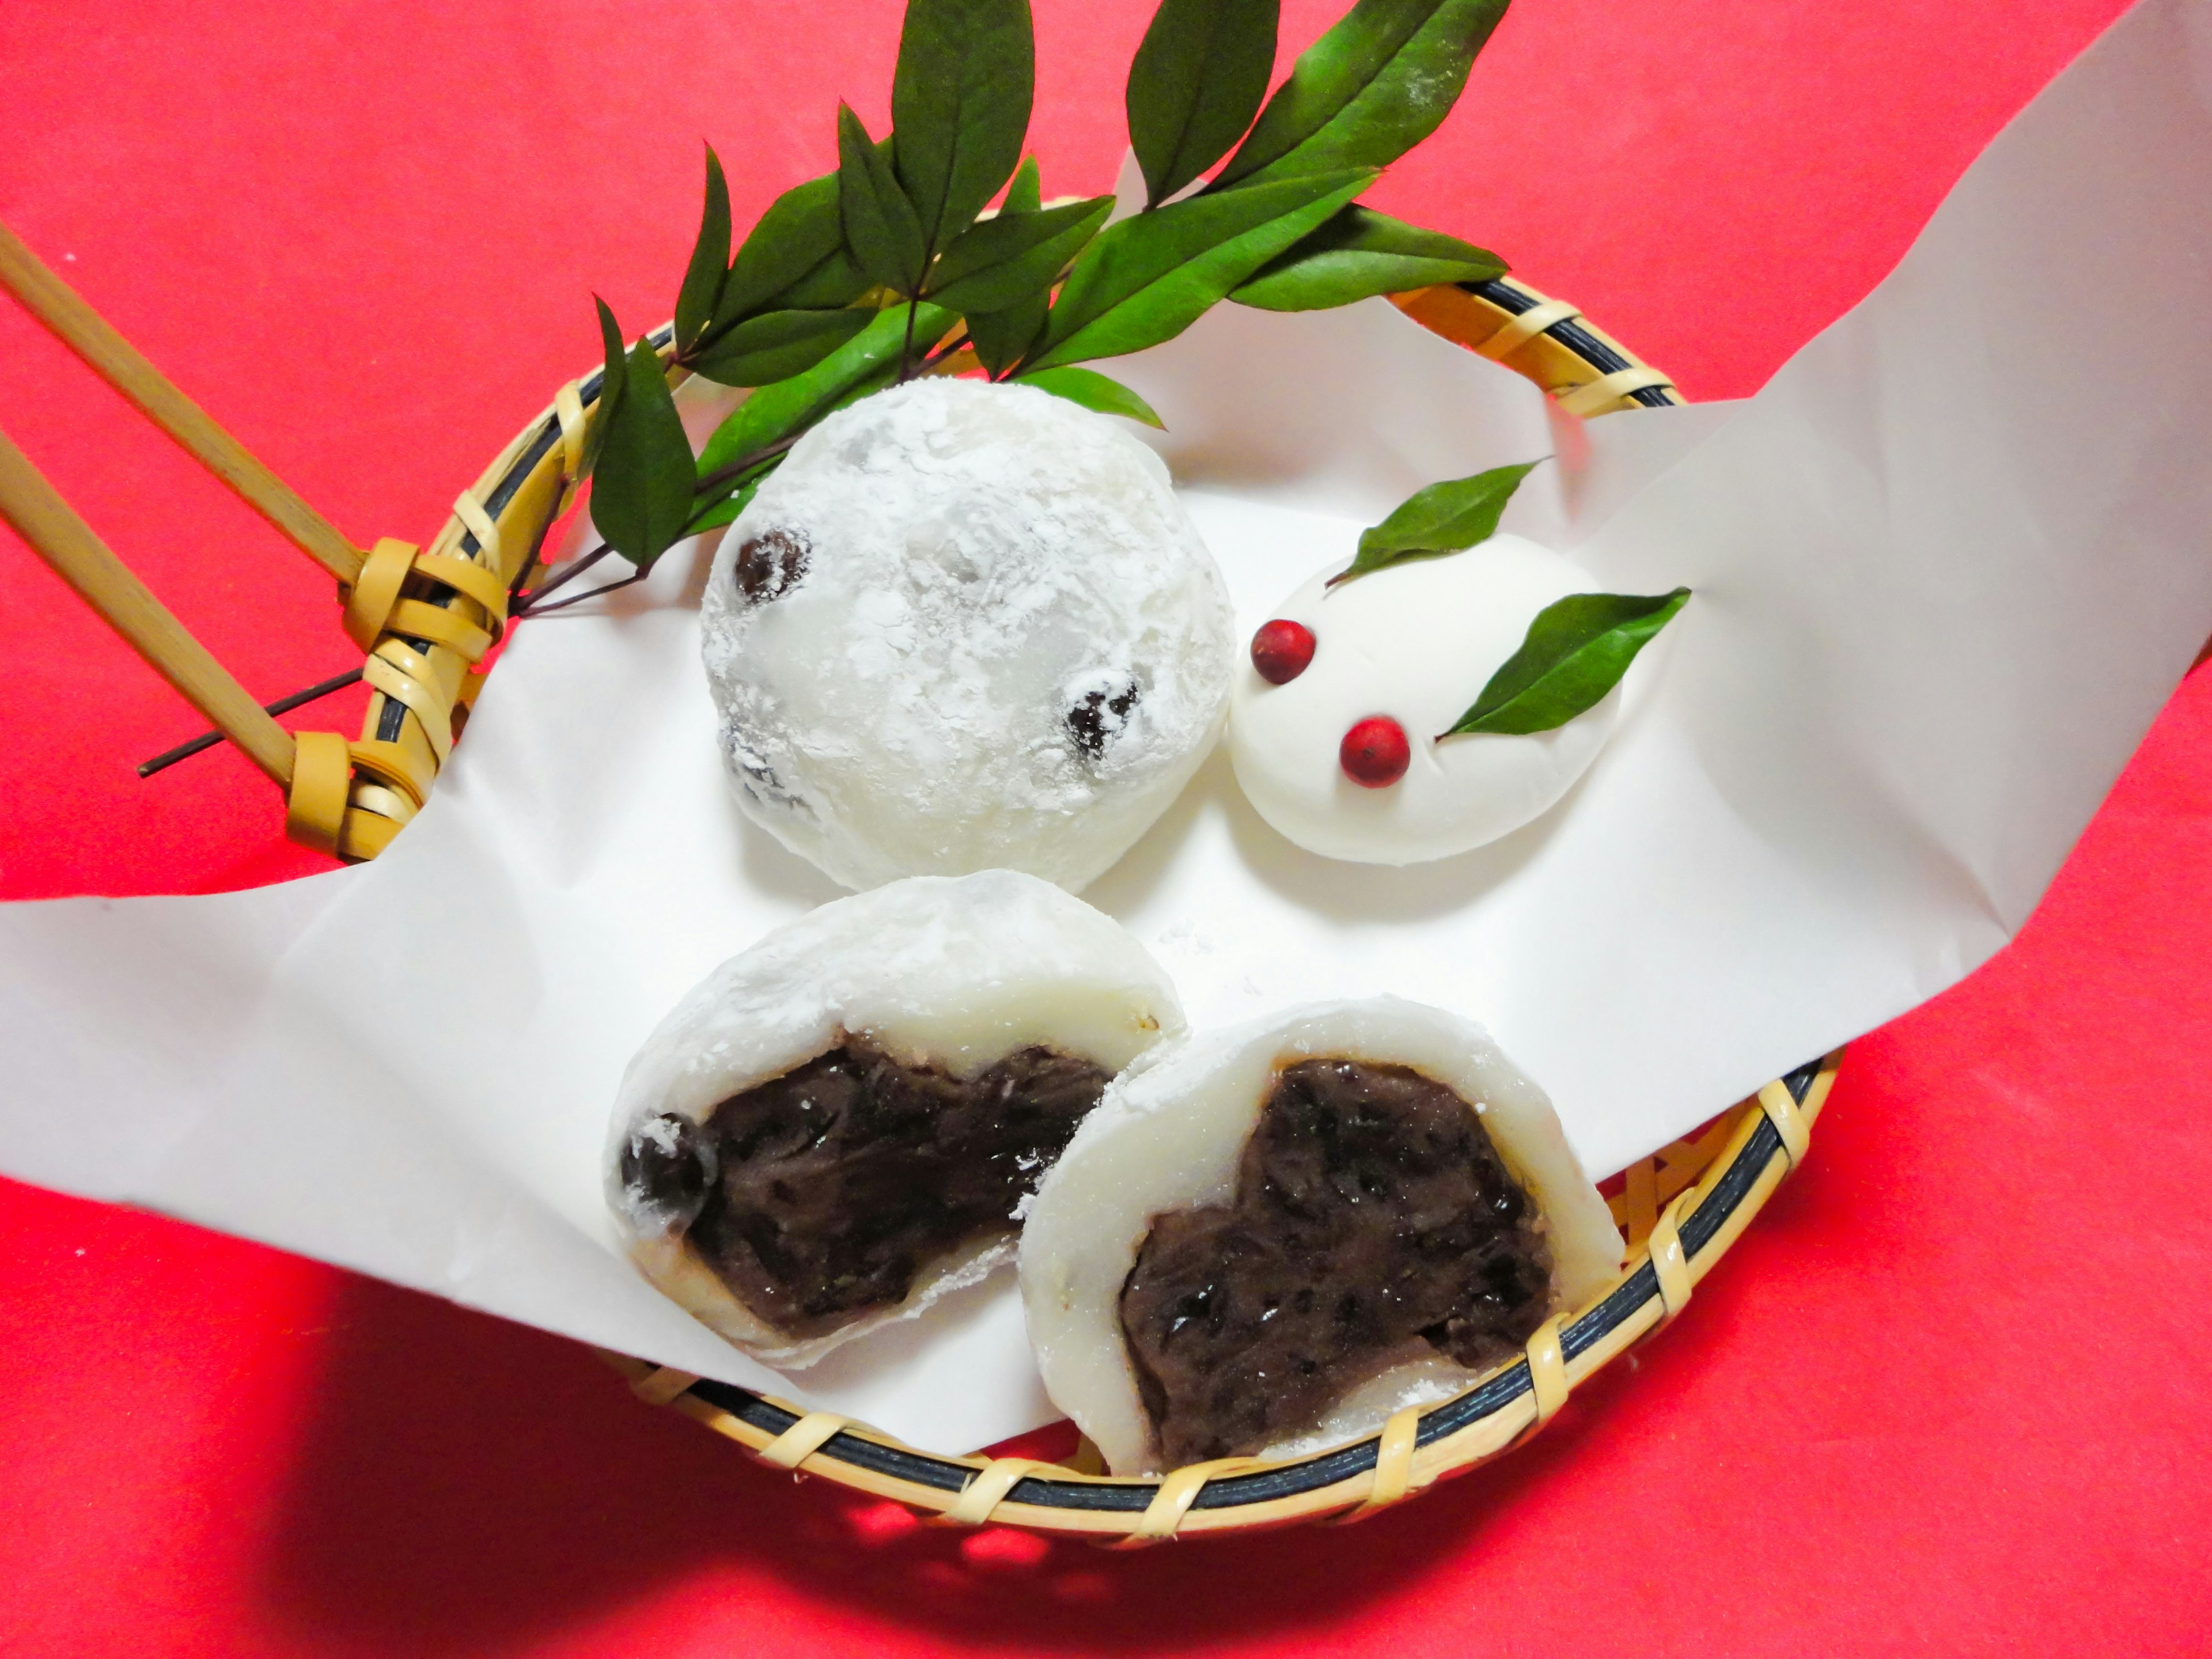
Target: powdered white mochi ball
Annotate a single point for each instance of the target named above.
(1416, 642)
(965, 626)
(1169, 1137)
(951, 974)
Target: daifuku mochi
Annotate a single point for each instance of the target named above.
(836, 1126)
(1268, 1239)
(1412, 644)
(965, 626)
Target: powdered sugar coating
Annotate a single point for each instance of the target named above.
(955, 973)
(1168, 1136)
(982, 562)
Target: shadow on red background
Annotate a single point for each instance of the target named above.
(465, 1484)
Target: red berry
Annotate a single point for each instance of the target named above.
(1281, 650)
(1375, 753)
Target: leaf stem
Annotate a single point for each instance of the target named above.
(561, 579)
(906, 351)
(744, 464)
(285, 705)
(637, 575)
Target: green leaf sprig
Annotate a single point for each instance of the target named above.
(1000, 335)
(1358, 254)
(1574, 652)
(1094, 391)
(705, 278)
(1147, 279)
(1196, 82)
(881, 226)
(784, 303)
(1445, 518)
(641, 495)
(890, 265)
(1379, 81)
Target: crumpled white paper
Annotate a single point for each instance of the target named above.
(1948, 564)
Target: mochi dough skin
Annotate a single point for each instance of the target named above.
(1168, 1136)
(1417, 641)
(956, 974)
(975, 629)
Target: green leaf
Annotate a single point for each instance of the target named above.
(837, 281)
(1147, 279)
(1367, 91)
(728, 508)
(1195, 84)
(611, 382)
(1092, 390)
(641, 493)
(1442, 519)
(802, 228)
(777, 344)
(1360, 253)
(1025, 190)
(1001, 261)
(710, 261)
(1575, 652)
(1001, 336)
(960, 107)
(788, 407)
(880, 226)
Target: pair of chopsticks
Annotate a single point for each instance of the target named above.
(78, 556)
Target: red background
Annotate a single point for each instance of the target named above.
(1945, 1396)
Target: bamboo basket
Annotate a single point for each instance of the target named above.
(427, 617)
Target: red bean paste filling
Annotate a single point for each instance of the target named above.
(823, 1194)
(770, 565)
(1099, 717)
(1372, 1223)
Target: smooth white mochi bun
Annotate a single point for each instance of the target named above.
(975, 629)
(1168, 1136)
(1417, 641)
(954, 973)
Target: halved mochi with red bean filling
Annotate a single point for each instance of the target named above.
(836, 1127)
(1268, 1239)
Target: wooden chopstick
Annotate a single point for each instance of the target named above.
(105, 582)
(82, 329)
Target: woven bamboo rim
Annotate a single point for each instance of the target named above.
(1683, 1209)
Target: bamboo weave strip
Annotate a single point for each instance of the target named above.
(1547, 1370)
(1670, 1263)
(430, 617)
(1528, 342)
